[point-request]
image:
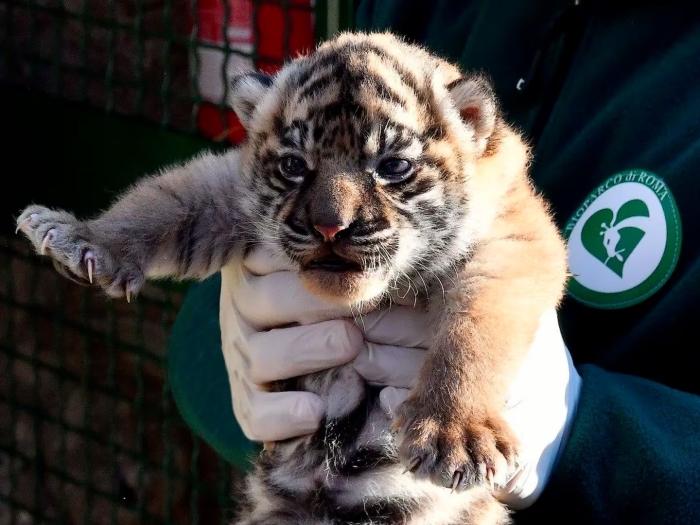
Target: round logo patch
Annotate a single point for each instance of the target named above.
(624, 241)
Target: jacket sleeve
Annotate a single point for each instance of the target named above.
(633, 456)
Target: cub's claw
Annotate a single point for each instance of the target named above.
(413, 465)
(456, 480)
(89, 263)
(22, 223)
(46, 242)
(490, 474)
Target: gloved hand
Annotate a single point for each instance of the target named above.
(387, 347)
(257, 299)
(264, 295)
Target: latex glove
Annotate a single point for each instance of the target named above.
(257, 299)
(540, 407)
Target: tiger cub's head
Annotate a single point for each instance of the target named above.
(359, 159)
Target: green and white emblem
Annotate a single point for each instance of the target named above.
(623, 241)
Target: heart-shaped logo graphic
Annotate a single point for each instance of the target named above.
(611, 236)
(623, 241)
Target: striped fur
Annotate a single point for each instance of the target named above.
(380, 170)
(348, 473)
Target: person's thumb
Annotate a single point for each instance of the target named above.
(390, 398)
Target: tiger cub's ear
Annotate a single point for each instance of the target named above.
(475, 99)
(245, 93)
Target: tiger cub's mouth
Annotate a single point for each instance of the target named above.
(342, 279)
(333, 263)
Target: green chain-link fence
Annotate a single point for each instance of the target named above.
(89, 433)
(155, 59)
(88, 430)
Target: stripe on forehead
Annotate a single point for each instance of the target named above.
(388, 136)
(393, 82)
(296, 134)
(297, 107)
(381, 123)
(359, 67)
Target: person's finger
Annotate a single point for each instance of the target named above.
(280, 299)
(274, 416)
(298, 350)
(397, 326)
(387, 365)
(390, 398)
(263, 260)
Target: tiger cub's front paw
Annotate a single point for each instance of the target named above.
(453, 446)
(75, 252)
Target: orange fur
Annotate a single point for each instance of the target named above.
(516, 272)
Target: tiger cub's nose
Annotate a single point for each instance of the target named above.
(329, 232)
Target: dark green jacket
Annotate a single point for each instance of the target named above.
(617, 88)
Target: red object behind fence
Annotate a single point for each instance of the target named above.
(271, 22)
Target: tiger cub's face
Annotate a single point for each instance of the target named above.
(358, 159)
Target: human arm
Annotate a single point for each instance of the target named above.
(632, 456)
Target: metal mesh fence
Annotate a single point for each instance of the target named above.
(88, 429)
(163, 60)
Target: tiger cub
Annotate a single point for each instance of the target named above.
(372, 165)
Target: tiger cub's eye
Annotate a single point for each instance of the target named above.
(293, 167)
(395, 170)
